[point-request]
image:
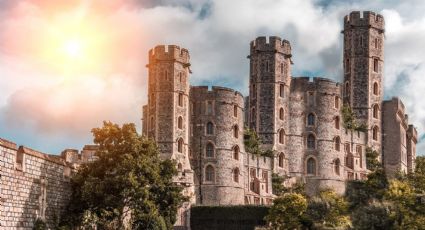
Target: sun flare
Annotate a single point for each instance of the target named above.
(73, 48)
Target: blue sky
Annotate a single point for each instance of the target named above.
(50, 107)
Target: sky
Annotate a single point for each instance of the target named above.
(66, 66)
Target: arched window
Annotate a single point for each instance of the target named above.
(375, 133)
(181, 77)
(282, 136)
(281, 114)
(209, 173)
(282, 90)
(347, 65)
(281, 160)
(236, 175)
(180, 122)
(281, 68)
(236, 152)
(180, 145)
(166, 75)
(254, 90)
(337, 143)
(311, 119)
(337, 164)
(209, 152)
(235, 110)
(375, 111)
(210, 128)
(179, 167)
(336, 102)
(235, 131)
(337, 121)
(180, 99)
(375, 88)
(311, 141)
(311, 166)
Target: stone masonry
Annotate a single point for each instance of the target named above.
(299, 118)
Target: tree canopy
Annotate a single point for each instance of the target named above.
(127, 186)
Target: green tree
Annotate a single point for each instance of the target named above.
(350, 121)
(417, 178)
(277, 184)
(287, 211)
(374, 216)
(372, 161)
(129, 183)
(328, 209)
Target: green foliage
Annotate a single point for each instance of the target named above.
(373, 216)
(227, 217)
(349, 120)
(328, 209)
(39, 224)
(372, 161)
(128, 178)
(277, 184)
(253, 144)
(287, 211)
(417, 179)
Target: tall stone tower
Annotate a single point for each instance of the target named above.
(270, 79)
(363, 70)
(167, 112)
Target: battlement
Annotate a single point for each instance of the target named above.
(316, 81)
(413, 133)
(169, 53)
(214, 89)
(8, 144)
(368, 19)
(47, 157)
(397, 104)
(274, 44)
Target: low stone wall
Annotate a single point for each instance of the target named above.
(33, 185)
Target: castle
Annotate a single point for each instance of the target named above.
(202, 128)
(300, 119)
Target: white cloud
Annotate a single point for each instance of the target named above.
(217, 34)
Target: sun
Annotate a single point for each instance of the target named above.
(73, 48)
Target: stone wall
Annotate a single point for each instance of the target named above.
(33, 185)
(399, 139)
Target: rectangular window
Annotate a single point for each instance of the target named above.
(209, 107)
(310, 98)
(375, 65)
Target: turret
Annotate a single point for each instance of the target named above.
(363, 70)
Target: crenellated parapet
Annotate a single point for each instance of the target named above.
(169, 53)
(274, 44)
(368, 19)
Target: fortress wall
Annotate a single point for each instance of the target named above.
(33, 184)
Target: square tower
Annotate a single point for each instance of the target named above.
(363, 70)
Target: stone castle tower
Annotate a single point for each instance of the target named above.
(363, 71)
(299, 118)
(166, 116)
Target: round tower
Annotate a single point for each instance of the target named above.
(363, 70)
(270, 80)
(217, 146)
